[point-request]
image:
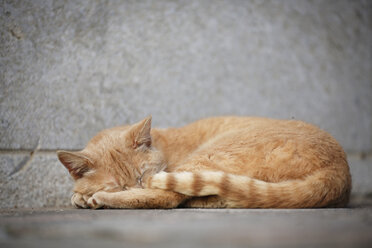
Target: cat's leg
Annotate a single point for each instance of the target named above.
(206, 202)
(137, 198)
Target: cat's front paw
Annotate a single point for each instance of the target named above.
(79, 201)
(96, 201)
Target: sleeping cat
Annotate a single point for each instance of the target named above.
(221, 162)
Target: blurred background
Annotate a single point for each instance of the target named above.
(71, 68)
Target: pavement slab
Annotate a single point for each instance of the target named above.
(33, 180)
(186, 228)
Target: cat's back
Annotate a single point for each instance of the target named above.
(257, 137)
(267, 142)
(264, 132)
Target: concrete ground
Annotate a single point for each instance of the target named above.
(347, 227)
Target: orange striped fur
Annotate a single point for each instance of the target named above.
(231, 162)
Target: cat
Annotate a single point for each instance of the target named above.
(219, 162)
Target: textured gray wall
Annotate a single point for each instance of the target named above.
(69, 69)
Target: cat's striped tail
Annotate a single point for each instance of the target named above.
(323, 188)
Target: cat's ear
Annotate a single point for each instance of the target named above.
(75, 162)
(141, 133)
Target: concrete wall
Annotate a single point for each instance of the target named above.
(69, 69)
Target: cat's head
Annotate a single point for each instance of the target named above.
(114, 160)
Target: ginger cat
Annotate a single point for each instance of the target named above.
(221, 162)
